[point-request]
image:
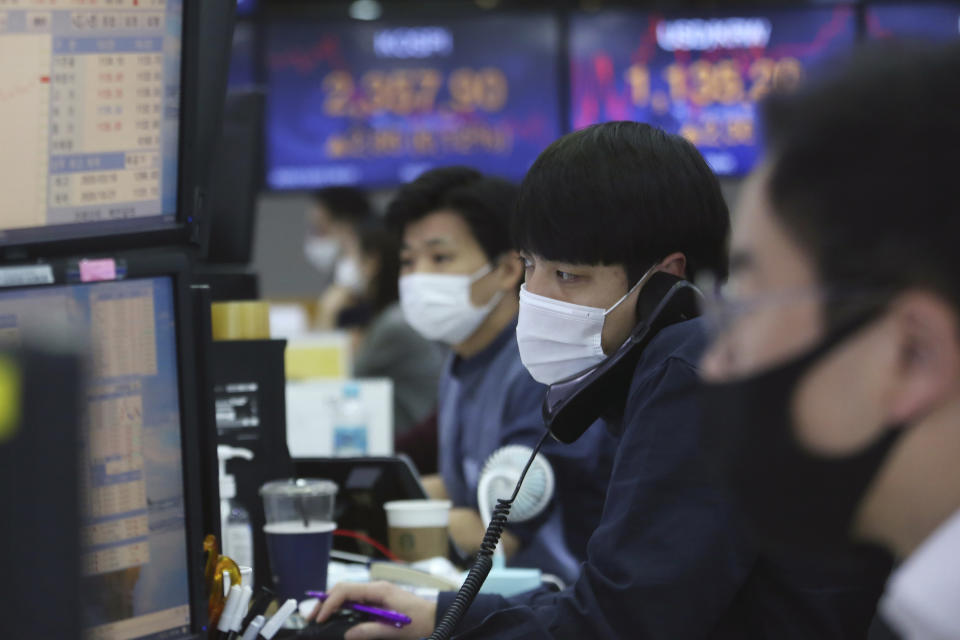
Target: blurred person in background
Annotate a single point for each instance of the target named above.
(349, 244)
(459, 286)
(385, 345)
(332, 246)
(834, 377)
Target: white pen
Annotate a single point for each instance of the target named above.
(242, 607)
(229, 609)
(253, 628)
(273, 625)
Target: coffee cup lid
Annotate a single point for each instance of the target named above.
(299, 487)
(418, 513)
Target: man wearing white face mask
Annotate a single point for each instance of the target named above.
(458, 286)
(598, 210)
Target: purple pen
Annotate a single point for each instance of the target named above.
(392, 618)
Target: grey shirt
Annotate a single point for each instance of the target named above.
(393, 349)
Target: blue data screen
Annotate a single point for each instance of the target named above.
(700, 75)
(927, 20)
(379, 103)
(134, 539)
(243, 57)
(90, 124)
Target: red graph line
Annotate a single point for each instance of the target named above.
(647, 47)
(305, 61)
(829, 31)
(18, 91)
(875, 28)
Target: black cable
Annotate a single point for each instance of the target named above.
(258, 606)
(484, 562)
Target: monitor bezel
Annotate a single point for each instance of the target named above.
(61, 240)
(176, 265)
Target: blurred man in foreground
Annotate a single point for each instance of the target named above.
(835, 371)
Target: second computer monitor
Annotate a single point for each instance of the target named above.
(136, 551)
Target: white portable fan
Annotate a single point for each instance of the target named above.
(499, 478)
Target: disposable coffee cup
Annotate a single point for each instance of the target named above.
(299, 556)
(299, 533)
(418, 529)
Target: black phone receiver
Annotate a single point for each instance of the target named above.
(573, 404)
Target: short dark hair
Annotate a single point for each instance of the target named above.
(485, 203)
(863, 169)
(376, 240)
(345, 204)
(623, 193)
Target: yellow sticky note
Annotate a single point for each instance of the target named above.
(304, 362)
(10, 398)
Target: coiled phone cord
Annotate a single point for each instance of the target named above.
(484, 562)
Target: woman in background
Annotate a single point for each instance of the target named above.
(385, 345)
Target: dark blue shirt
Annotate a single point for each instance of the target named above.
(489, 401)
(668, 560)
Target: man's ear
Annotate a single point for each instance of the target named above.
(676, 264)
(928, 360)
(510, 271)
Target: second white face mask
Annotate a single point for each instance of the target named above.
(347, 274)
(321, 252)
(438, 305)
(558, 339)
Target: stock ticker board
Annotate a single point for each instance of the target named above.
(918, 20)
(699, 76)
(377, 104)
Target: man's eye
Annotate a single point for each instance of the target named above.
(440, 259)
(565, 276)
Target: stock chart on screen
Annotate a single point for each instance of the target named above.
(378, 103)
(700, 76)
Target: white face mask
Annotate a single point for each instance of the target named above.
(321, 252)
(558, 339)
(348, 275)
(438, 305)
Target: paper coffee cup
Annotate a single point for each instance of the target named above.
(418, 529)
(299, 555)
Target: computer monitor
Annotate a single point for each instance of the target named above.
(140, 533)
(365, 485)
(243, 74)
(378, 103)
(235, 180)
(106, 119)
(700, 73)
(938, 21)
(247, 8)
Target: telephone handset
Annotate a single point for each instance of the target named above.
(573, 404)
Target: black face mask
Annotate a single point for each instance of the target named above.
(789, 497)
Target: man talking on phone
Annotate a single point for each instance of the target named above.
(600, 212)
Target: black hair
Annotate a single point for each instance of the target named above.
(863, 169)
(623, 193)
(485, 204)
(379, 242)
(345, 204)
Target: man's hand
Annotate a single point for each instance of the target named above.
(382, 595)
